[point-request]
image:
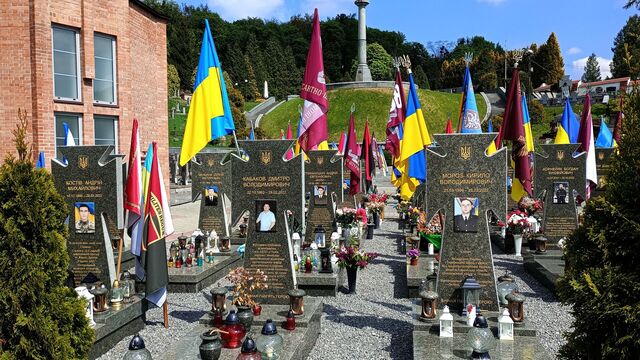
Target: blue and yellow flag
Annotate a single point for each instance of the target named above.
(605, 136)
(252, 135)
(569, 126)
(209, 114)
(40, 164)
(469, 116)
(412, 162)
(527, 124)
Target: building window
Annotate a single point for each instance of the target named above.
(106, 131)
(104, 83)
(66, 63)
(74, 121)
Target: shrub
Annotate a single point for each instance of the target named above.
(536, 112)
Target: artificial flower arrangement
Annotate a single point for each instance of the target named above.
(413, 253)
(402, 207)
(346, 216)
(244, 283)
(361, 215)
(530, 205)
(412, 214)
(517, 222)
(375, 206)
(431, 230)
(352, 257)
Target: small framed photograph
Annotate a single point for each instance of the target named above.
(266, 211)
(561, 192)
(320, 195)
(211, 195)
(85, 218)
(465, 214)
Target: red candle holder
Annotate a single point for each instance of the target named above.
(290, 323)
(257, 310)
(232, 332)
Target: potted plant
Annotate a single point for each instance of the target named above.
(244, 283)
(413, 254)
(353, 259)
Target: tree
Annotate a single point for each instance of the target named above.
(236, 102)
(173, 80)
(379, 61)
(420, 77)
(591, 70)
(252, 86)
(601, 280)
(41, 317)
(626, 50)
(548, 63)
(632, 3)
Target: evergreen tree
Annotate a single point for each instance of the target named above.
(173, 80)
(276, 69)
(236, 102)
(419, 76)
(41, 318)
(591, 70)
(601, 280)
(233, 63)
(255, 53)
(252, 86)
(626, 50)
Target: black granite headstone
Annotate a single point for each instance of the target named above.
(91, 184)
(267, 186)
(461, 177)
(603, 166)
(323, 183)
(211, 182)
(559, 173)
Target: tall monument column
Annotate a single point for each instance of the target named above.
(363, 73)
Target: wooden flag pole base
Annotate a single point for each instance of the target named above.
(165, 310)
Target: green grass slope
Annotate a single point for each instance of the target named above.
(372, 104)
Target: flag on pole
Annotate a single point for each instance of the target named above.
(342, 143)
(585, 138)
(133, 194)
(210, 114)
(569, 126)
(496, 144)
(513, 128)
(396, 117)
(157, 225)
(289, 154)
(605, 137)
(412, 162)
(527, 124)
(489, 125)
(367, 156)
(68, 136)
(469, 117)
(40, 164)
(252, 135)
(137, 237)
(314, 92)
(352, 158)
(449, 128)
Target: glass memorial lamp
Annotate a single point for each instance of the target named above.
(296, 244)
(100, 299)
(470, 294)
(225, 244)
(116, 297)
(506, 285)
(319, 236)
(446, 323)
(432, 280)
(219, 299)
(269, 344)
(516, 306)
(480, 339)
(296, 301)
(232, 331)
(137, 351)
(505, 326)
(290, 322)
(249, 350)
(429, 303)
(335, 238)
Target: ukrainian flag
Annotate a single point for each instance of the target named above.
(412, 162)
(210, 114)
(605, 137)
(569, 126)
(527, 124)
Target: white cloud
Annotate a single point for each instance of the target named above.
(574, 50)
(580, 64)
(492, 2)
(241, 9)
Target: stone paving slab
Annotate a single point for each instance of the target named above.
(546, 268)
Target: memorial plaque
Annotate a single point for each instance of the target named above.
(559, 172)
(211, 183)
(464, 183)
(323, 183)
(267, 186)
(603, 166)
(91, 184)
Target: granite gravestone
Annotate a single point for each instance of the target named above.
(91, 184)
(559, 172)
(603, 166)
(211, 182)
(461, 176)
(267, 186)
(323, 183)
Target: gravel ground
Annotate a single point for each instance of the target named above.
(373, 323)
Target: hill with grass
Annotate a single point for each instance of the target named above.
(372, 104)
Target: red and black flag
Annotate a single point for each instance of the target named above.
(367, 156)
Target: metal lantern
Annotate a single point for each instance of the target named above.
(480, 339)
(243, 227)
(541, 244)
(225, 243)
(325, 261)
(516, 306)
(505, 326)
(84, 293)
(100, 300)
(137, 351)
(506, 285)
(470, 293)
(219, 300)
(446, 323)
(429, 303)
(296, 301)
(320, 236)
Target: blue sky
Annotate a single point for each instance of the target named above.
(582, 26)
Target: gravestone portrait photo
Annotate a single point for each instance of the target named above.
(561, 192)
(465, 212)
(85, 218)
(211, 196)
(320, 195)
(266, 215)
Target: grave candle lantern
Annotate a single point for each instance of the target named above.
(125, 285)
(137, 350)
(232, 331)
(429, 303)
(516, 306)
(480, 339)
(325, 261)
(505, 326)
(243, 227)
(319, 236)
(100, 300)
(541, 244)
(470, 294)
(116, 295)
(506, 285)
(290, 323)
(446, 323)
(219, 299)
(173, 250)
(84, 293)
(296, 244)
(432, 280)
(249, 350)
(296, 301)
(182, 240)
(269, 344)
(225, 244)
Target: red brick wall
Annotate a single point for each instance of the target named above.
(26, 73)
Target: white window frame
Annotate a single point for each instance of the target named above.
(53, 67)
(115, 130)
(114, 67)
(55, 120)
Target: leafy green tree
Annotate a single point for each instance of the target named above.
(548, 63)
(379, 61)
(236, 102)
(173, 80)
(626, 50)
(252, 86)
(420, 77)
(591, 70)
(536, 112)
(601, 280)
(41, 317)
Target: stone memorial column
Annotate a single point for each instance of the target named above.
(363, 73)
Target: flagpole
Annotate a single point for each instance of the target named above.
(165, 310)
(236, 141)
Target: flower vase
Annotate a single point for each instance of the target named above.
(376, 220)
(517, 239)
(211, 346)
(352, 275)
(245, 314)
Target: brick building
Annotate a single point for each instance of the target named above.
(94, 64)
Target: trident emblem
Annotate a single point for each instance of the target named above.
(265, 157)
(465, 152)
(83, 161)
(560, 154)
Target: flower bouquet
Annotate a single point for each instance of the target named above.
(346, 217)
(352, 257)
(517, 222)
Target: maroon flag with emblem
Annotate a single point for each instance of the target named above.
(396, 117)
